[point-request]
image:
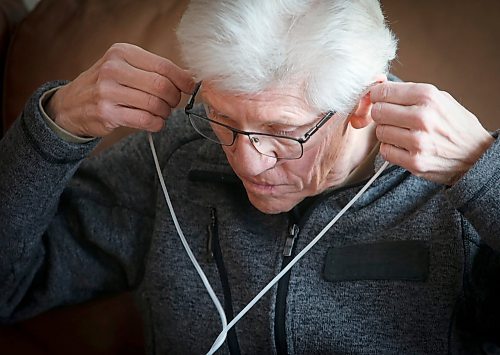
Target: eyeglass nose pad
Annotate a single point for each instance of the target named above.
(257, 142)
(254, 141)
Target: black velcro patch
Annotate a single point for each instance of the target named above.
(395, 260)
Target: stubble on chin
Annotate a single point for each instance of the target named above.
(272, 204)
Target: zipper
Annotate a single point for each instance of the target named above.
(298, 219)
(293, 231)
(282, 292)
(214, 251)
(211, 229)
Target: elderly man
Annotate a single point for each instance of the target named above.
(291, 113)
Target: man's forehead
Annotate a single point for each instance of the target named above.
(270, 106)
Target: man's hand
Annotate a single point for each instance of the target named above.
(426, 131)
(127, 87)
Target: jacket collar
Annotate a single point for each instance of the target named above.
(211, 165)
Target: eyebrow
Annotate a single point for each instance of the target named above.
(285, 122)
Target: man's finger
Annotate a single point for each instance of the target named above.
(148, 82)
(140, 119)
(126, 96)
(394, 115)
(403, 93)
(395, 155)
(142, 59)
(396, 136)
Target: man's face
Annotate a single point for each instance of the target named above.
(277, 185)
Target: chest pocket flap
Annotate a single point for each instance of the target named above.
(394, 260)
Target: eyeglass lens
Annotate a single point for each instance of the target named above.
(276, 147)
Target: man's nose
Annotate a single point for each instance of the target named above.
(247, 159)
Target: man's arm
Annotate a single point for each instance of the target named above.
(477, 195)
(36, 166)
(69, 235)
(426, 131)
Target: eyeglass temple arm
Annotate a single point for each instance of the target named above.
(318, 126)
(190, 104)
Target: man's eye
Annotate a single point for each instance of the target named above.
(284, 132)
(287, 132)
(215, 115)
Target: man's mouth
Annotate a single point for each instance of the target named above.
(260, 187)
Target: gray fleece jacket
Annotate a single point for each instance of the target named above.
(413, 267)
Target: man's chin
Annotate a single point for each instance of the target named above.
(270, 205)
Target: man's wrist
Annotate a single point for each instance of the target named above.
(48, 114)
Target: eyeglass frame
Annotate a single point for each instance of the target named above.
(307, 135)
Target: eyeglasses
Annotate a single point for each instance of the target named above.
(272, 145)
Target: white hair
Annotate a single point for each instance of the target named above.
(333, 49)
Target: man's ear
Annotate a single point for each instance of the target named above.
(361, 116)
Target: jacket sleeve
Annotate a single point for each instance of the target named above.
(72, 227)
(477, 195)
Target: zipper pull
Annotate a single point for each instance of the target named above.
(290, 240)
(211, 230)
